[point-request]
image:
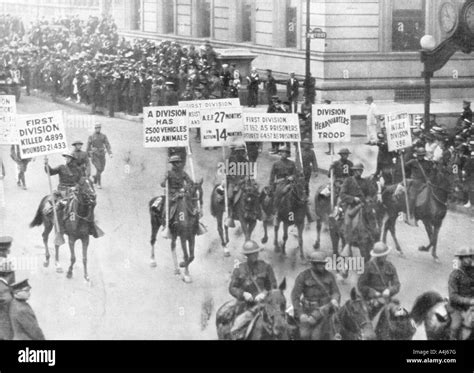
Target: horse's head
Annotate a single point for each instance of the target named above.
(354, 318)
(250, 192)
(400, 324)
(86, 192)
(194, 191)
(432, 309)
(274, 312)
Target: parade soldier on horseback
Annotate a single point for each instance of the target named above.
(461, 290)
(379, 282)
(82, 159)
(282, 174)
(238, 156)
(419, 170)
(385, 164)
(342, 170)
(250, 284)
(314, 289)
(178, 179)
(354, 194)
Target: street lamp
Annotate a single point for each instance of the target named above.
(308, 47)
(428, 44)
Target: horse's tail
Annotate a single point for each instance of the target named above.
(423, 304)
(38, 220)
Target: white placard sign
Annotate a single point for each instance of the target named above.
(261, 127)
(222, 127)
(8, 133)
(331, 123)
(195, 107)
(398, 130)
(41, 134)
(165, 126)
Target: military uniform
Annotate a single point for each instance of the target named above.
(417, 170)
(6, 331)
(468, 171)
(69, 176)
(282, 169)
(310, 165)
(82, 162)
(385, 165)
(354, 187)
(177, 180)
(97, 145)
(253, 280)
(24, 323)
(378, 278)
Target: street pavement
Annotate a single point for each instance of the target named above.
(127, 299)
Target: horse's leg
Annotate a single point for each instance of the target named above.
(155, 226)
(220, 230)
(175, 257)
(434, 241)
(319, 225)
(72, 242)
(85, 245)
(59, 269)
(185, 261)
(300, 240)
(429, 231)
(252, 226)
(265, 232)
(392, 226)
(275, 236)
(48, 227)
(191, 242)
(285, 238)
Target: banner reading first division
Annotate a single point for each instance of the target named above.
(41, 134)
(165, 127)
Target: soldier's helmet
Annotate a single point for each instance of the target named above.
(285, 149)
(77, 142)
(380, 249)
(344, 151)
(421, 152)
(240, 147)
(464, 251)
(318, 257)
(175, 159)
(250, 247)
(358, 166)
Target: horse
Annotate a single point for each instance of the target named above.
(75, 220)
(431, 311)
(431, 212)
(394, 323)
(246, 210)
(269, 323)
(184, 223)
(353, 319)
(290, 209)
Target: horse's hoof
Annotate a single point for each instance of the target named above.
(153, 264)
(264, 240)
(436, 259)
(59, 269)
(226, 252)
(69, 275)
(182, 265)
(46, 264)
(277, 249)
(177, 272)
(423, 248)
(401, 254)
(87, 280)
(187, 279)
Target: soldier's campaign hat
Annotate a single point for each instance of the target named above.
(307, 141)
(358, 166)
(421, 151)
(344, 151)
(318, 257)
(380, 249)
(175, 159)
(20, 285)
(5, 242)
(464, 251)
(97, 125)
(78, 142)
(284, 148)
(250, 247)
(466, 102)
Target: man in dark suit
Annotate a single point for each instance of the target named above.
(292, 92)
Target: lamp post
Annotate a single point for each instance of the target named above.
(428, 44)
(308, 46)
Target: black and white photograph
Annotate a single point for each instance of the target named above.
(238, 170)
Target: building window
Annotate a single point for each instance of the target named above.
(205, 12)
(247, 20)
(408, 24)
(136, 16)
(291, 23)
(168, 16)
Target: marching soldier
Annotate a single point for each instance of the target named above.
(310, 164)
(22, 165)
(250, 283)
(419, 170)
(81, 158)
(379, 282)
(314, 288)
(23, 319)
(461, 289)
(97, 145)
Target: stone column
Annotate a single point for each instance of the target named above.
(235, 21)
(279, 23)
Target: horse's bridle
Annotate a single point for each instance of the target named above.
(357, 328)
